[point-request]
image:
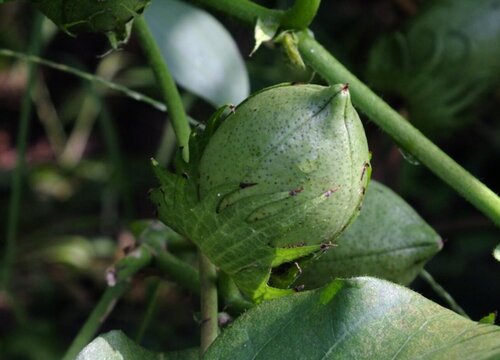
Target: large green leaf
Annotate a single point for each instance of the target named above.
(389, 240)
(199, 51)
(361, 318)
(115, 345)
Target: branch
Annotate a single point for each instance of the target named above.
(209, 303)
(183, 274)
(167, 85)
(300, 15)
(401, 131)
(243, 10)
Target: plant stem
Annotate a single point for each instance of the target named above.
(167, 86)
(86, 76)
(443, 293)
(209, 306)
(124, 270)
(403, 133)
(150, 310)
(95, 319)
(184, 274)
(166, 148)
(300, 15)
(22, 143)
(233, 300)
(244, 10)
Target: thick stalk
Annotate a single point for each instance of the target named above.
(22, 142)
(244, 10)
(167, 86)
(119, 281)
(403, 133)
(209, 306)
(300, 15)
(173, 268)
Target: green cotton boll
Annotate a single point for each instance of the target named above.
(388, 240)
(283, 175)
(110, 17)
(442, 63)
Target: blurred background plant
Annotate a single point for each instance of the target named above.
(87, 169)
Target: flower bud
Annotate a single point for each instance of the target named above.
(281, 177)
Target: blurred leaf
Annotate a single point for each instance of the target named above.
(496, 253)
(201, 54)
(50, 182)
(442, 63)
(115, 345)
(388, 240)
(111, 18)
(77, 251)
(353, 319)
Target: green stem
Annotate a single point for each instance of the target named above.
(209, 305)
(403, 133)
(300, 15)
(150, 309)
(22, 142)
(86, 76)
(119, 281)
(167, 86)
(443, 293)
(95, 319)
(244, 10)
(184, 274)
(166, 149)
(234, 302)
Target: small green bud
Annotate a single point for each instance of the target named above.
(281, 177)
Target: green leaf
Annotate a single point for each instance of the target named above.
(115, 345)
(488, 319)
(110, 17)
(362, 318)
(199, 51)
(448, 40)
(388, 240)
